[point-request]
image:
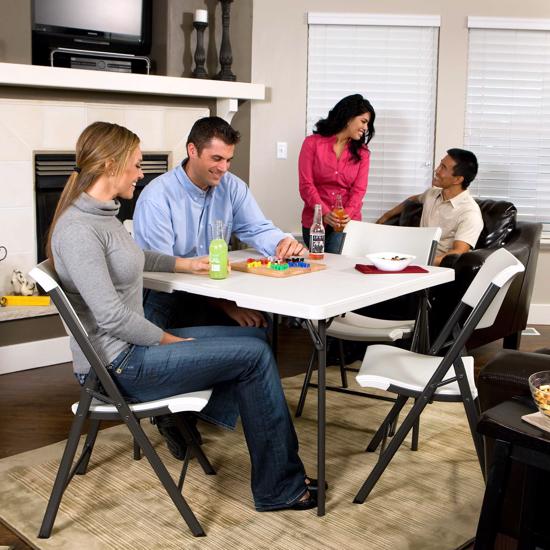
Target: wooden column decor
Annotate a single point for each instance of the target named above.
(200, 22)
(226, 56)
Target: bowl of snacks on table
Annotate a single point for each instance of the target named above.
(539, 384)
(390, 261)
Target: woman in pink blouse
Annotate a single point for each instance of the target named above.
(335, 160)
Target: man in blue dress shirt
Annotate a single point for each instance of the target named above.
(175, 211)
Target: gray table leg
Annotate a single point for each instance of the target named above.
(321, 417)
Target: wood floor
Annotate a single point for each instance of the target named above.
(35, 404)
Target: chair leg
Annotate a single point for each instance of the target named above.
(162, 473)
(63, 473)
(193, 446)
(385, 428)
(394, 444)
(305, 387)
(343, 373)
(183, 473)
(472, 411)
(489, 517)
(88, 448)
(393, 427)
(415, 434)
(512, 341)
(137, 451)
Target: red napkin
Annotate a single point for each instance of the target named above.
(368, 268)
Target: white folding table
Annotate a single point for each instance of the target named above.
(316, 296)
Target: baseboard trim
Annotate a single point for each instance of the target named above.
(539, 314)
(31, 355)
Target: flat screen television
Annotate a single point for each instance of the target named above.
(113, 26)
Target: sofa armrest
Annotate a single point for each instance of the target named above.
(506, 376)
(469, 261)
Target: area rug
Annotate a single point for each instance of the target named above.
(429, 499)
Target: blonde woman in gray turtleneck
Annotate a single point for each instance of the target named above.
(100, 268)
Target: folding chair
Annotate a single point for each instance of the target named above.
(365, 238)
(100, 400)
(430, 377)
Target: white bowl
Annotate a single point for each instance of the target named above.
(390, 261)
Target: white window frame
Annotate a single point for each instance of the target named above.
(417, 180)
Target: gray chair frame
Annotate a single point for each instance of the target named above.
(453, 337)
(419, 342)
(99, 385)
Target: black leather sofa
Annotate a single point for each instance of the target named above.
(501, 228)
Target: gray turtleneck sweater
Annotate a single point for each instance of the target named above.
(100, 268)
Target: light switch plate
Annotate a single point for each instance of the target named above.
(282, 150)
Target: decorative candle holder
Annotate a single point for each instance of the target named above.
(226, 56)
(200, 54)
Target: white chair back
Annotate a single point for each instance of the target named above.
(129, 226)
(499, 269)
(369, 238)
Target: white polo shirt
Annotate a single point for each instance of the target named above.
(459, 218)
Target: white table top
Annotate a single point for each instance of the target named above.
(320, 295)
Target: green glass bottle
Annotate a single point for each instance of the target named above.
(218, 252)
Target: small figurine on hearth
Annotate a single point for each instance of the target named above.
(22, 287)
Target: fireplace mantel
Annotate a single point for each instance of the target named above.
(226, 94)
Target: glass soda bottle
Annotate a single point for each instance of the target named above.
(317, 235)
(339, 212)
(218, 252)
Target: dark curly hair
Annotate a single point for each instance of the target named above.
(347, 108)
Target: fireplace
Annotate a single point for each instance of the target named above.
(51, 171)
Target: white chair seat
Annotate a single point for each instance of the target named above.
(384, 366)
(192, 401)
(368, 329)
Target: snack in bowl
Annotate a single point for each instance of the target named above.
(390, 261)
(539, 384)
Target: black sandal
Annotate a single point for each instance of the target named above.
(313, 484)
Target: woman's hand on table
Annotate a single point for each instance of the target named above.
(199, 265)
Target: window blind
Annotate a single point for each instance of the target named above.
(508, 116)
(395, 67)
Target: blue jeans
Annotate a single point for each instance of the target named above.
(238, 363)
(334, 241)
(181, 309)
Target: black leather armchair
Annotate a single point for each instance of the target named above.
(522, 239)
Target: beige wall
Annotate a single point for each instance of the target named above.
(15, 31)
(279, 60)
(174, 42)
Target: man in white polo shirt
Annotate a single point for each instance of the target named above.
(449, 205)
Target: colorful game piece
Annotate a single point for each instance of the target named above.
(275, 267)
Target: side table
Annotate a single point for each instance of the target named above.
(516, 440)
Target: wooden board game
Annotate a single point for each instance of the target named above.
(290, 271)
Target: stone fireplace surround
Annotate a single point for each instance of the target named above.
(30, 126)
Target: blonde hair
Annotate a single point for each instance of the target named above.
(101, 146)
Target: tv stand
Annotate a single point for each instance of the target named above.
(99, 61)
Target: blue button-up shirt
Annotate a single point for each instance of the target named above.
(174, 216)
